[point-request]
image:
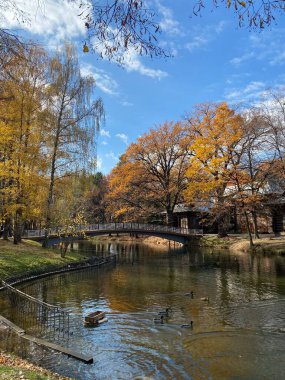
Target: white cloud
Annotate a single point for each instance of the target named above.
(104, 132)
(250, 93)
(168, 24)
(99, 163)
(203, 36)
(112, 156)
(125, 103)
(123, 137)
(238, 60)
(53, 20)
(57, 21)
(129, 59)
(104, 143)
(106, 83)
(254, 87)
(197, 42)
(132, 62)
(233, 95)
(279, 58)
(265, 46)
(102, 79)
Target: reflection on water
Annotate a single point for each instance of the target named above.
(236, 335)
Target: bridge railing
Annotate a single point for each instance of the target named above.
(111, 227)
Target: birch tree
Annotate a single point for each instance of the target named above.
(72, 120)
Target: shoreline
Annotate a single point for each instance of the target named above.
(12, 366)
(17, 368)
(237, 244)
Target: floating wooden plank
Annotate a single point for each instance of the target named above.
(45, 343)
(15, 328)
(56, 347)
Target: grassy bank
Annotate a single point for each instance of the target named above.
(268, 244)
(16, 260)
(12, 367)
(29, 256)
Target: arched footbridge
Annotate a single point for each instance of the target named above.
(181, 235)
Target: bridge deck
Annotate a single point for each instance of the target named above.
(98, 229)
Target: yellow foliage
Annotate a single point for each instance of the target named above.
(21, 135)
(217, 130)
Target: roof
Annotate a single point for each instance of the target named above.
(182, 208)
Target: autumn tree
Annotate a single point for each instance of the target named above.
(72, 120)
(95, 198)
(217, 131)
(250, 173)
(81, 193)
(272, 109)
(126, 199)
(273, 112)
(152, 173)
(21, 161)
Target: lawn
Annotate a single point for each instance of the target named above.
(29, 256)
(12, 367)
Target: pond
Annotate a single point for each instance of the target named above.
(237, 334)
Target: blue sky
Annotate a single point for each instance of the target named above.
(213, 60)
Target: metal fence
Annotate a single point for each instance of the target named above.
(37, 313)
(41, 315)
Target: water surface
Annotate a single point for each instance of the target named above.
(236, 335)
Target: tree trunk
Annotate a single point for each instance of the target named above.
(277, 220)
(45, 241)
(222, 215)
(63, 248)
(254, 217)
(222, 231)
(51, 189)
(18, 227)
(7, 229)
(248, 230)
(169, 217)
(223, 224)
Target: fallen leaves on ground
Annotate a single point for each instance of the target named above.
(18, 363)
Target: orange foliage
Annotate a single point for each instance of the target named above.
(152, 173)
